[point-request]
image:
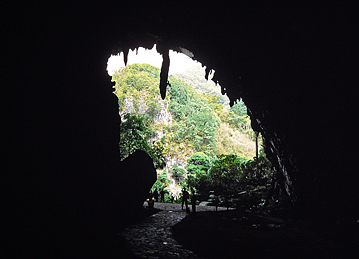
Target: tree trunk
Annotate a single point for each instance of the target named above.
(257, 133)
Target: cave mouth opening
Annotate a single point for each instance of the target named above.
(144, 112)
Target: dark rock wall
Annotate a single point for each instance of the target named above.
(294, 66)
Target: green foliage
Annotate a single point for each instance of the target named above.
(178, 174)
(239, 119)
(198, 164)
(238, 180)
(232, 141)
(138, 81)
(199, 158)
(195, 76)
(196, 117)
(214, 102)
(156, 153)
(195, 121)
(197, 168)
(161, 182)
(239, 108)
(134, 135)
(227, 174)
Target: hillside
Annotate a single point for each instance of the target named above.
(195, 77)
(188, 120)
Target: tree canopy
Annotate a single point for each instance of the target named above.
(198, 120)
(134, 135)
(202, 129)
(195, 121)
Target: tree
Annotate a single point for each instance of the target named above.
(226, 174)
(138, 82)
(239, 119)
(156, 152)
(162, 181)
(239, 108)
(197, 119)
(134, 135)
(196, 124)
(178, 174)
(198, 163)
(197, 168)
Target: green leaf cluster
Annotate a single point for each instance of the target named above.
(135, 135)
(195, 120)
(201, 123)
(202, 127)
(178, 174)
(162, 181)
(239, 119)
(138, 81)
(195, 77)
(228, 175)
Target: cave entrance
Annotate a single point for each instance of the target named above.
(194, 118)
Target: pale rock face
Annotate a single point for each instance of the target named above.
(142, 106)
(162, 116)
(129, 107)
(128, 103)
(171, 161)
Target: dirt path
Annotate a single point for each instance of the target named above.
(171, 233)
(153, 238)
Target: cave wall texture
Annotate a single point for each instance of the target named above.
(295, 66)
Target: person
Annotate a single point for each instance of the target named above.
(162, 193)
(185, 196)
(150, 200)
(193, 201)
(155, 195)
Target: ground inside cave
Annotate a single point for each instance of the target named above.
(169, 232)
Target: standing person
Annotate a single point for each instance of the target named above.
(155, 195)
(162, 193)
(185, 196)
(150, 200)
(193, 200)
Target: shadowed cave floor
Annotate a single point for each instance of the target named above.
(169, 232)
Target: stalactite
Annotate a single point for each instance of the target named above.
(208, 70)
(125, 55)
(164, 73)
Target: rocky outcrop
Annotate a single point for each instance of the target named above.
(140, 175)
(162, 115)
(133, 106)
(180, 161)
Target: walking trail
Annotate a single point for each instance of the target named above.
(169, 232)
(152, 237)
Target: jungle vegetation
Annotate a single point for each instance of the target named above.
(193, 124)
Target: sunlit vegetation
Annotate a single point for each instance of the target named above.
(194, 127)
(236, 181)
(195, 120)
(134, 135)
(194, 77)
